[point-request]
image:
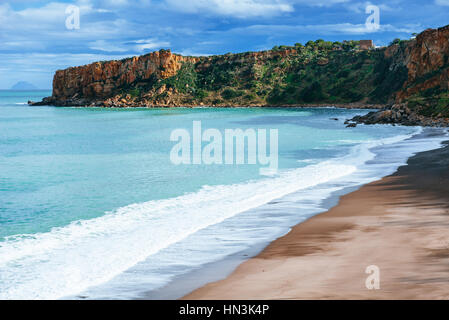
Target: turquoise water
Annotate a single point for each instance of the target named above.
(88, 193)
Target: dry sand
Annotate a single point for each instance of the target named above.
(400, 224)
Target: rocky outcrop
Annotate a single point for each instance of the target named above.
(107, 83)
(411, 77)
(86, 84)
(423, 98)
(427, 61)
(398, 114)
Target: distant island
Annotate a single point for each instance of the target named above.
(407, 80)
(23, 86)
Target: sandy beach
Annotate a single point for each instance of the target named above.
(399, 224)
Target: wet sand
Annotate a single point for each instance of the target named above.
(399, 224)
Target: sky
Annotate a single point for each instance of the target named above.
(39, 37)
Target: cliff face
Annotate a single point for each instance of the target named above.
(423, 99)
(101, 79)
(413, 73)
(111, 82)
(427, 62)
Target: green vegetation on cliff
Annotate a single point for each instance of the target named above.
(413, 72)
(319, 72)
(433, 102)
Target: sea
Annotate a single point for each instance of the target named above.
(92, 207)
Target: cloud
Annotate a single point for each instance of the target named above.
(233, 8)
(321, 3)
(43, 29)
(192, 53)
(103, 45)
(325, 29)
(246, 8)
(359, 7)
(34, 37)
(137, 46)
(117, 2)
(39, 68)
(48, 20)
(47, 14)
(122, 3)
(149, 44)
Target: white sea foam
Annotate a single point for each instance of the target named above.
(88, 253)
(70, 259)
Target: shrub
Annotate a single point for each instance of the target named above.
(229, 93)
(313, 93)
(201, 94)
(135, 92)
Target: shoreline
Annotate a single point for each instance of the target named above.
(184, 284)
(398, 114)
(100, 104)
(397, 223)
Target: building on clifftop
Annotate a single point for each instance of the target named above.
(366, 44)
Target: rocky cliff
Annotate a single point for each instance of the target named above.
(423, 99)
(94, 82)
(427, 61)
(155, 79)
(412, 75)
